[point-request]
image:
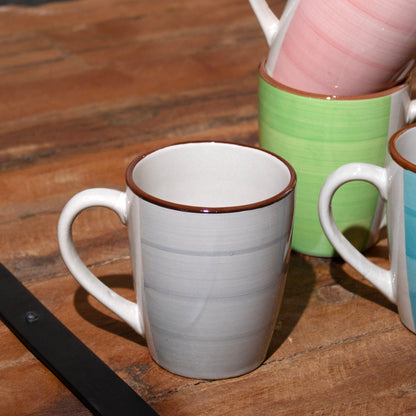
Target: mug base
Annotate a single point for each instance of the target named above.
(209, 374)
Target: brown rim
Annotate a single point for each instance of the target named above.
(208, 210)
(397, 157)
(266, 77)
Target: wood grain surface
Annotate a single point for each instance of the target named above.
(86, 85)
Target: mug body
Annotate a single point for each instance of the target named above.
(347, 47)
(401, 209)
(210, 227)
(316, 134)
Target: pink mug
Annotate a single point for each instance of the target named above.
(340, 47)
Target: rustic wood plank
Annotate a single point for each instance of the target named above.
(341, 381)
(87, 85)
(220, 112)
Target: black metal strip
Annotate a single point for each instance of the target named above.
(101, 390)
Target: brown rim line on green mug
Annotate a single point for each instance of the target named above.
(317, 134)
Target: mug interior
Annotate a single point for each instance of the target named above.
(210, 177)
(402, 147)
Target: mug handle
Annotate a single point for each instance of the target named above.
(411, 112)
(269, 23)
(267, 19)
(382, 279)
(116, 201)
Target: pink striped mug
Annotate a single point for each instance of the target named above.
(340, 47)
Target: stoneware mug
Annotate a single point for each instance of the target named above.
(316, 134)
(340, 47)
(397, 185)
(210, 227)
(274, 29)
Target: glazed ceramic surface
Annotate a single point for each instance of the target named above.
(342, 47)
(397, 185)
(274, 29)
(317, 134)
(210, 227)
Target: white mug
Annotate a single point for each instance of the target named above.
(210, 226)
(397, 185)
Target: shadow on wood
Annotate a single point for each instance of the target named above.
(363, 289)
(102, 320)
(300, 283)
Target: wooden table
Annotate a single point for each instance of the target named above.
(85, 86)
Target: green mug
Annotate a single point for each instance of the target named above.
(317, 134)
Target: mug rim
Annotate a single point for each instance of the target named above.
(289, 188)
(396, 156)
(384, 93)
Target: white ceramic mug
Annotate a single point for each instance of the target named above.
(397, 185)
(210, 227)
(340, 47)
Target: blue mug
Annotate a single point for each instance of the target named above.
(396, 184)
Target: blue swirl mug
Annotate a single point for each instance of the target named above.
(396, 184)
